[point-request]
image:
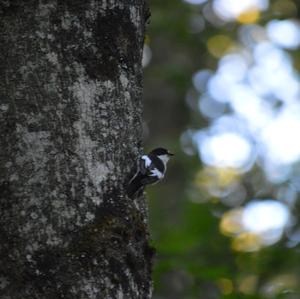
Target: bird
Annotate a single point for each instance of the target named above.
(151, 169)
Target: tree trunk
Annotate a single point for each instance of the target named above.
(70, 127)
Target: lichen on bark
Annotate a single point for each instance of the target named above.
(70, 127)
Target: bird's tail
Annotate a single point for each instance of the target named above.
(134, 186)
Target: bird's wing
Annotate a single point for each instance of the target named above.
(156, 173)
(144, 165)
(150, 169)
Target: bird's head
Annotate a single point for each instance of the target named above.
(162, 154)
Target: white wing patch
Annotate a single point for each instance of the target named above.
(147, 160)
(156, 172)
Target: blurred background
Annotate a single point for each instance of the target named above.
(222, 91)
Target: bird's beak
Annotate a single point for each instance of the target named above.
(171, 154)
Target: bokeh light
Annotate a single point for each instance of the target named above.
(260, 223)
(218, 45)
(278, 137)
(285, 33)
(267, 218)
(252, 103)
(261, 89)
(231, 222)
(225, 150)
(233, 9)
(219, 182)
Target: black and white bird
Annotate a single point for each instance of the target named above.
(151, 169)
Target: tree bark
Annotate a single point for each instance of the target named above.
(70, 128)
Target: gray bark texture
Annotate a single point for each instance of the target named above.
(71, 129)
